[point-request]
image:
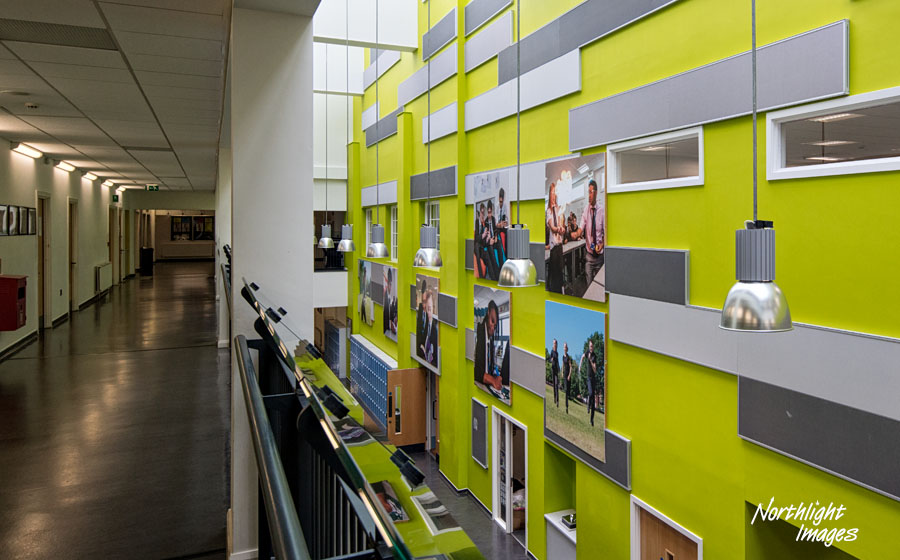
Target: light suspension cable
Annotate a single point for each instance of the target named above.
(377, 249)
(346, 245)
(518, 271)
(325, 241)
(755, 303)
(428, 254)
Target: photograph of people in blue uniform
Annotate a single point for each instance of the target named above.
(575, 397)
(492, 332)
(575, 227)
(427, 328)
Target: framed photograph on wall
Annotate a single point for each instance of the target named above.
(492, 342)
(575, 227)
(32, 221)
(23, 220)
(364, 305)
(389, 302)
(4, 216)
(428, 330)
(491, 222)
(12, 220)
(575, 377)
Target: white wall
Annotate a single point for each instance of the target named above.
(21, 179)
(397, 25)
(223, 237)
(340, 58)
(168, 200)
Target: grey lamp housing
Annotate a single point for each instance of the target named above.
(428, 254)
(346, 244)
(518, 271)
(377, 249)
(325, 241)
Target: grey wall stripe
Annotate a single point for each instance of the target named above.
(387, 60)
(470, 254)
(443, 67)
(479, 433)
(489, 42)
(439, 35)
(617, 467)
(443, 183)
(447, 310)
(413, 294)
(470, 345)
(479, 12)
(658, 274)
(385, 127)
(383, 193)
(580, 26)
(799, 69)
(861, 447)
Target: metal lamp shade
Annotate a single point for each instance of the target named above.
(756, 303)
(377, 249)
(326, 242)
(428, 254)
(346, 244)
(518, 271)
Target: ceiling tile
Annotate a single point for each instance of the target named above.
(179, 80)
(176, 65)
(170, 92)
(76, 72)
(158, 162)
(49, 103)
(104, 100)
(200, 6)
(71, 130)
(130, 133)
(209, 103)
(4, 52)
(68, 12)
(66, 55)
(164, 22)
(162, 45)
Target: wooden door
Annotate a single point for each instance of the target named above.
(406, 406)
(659, 541)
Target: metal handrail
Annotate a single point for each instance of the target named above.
(288, 541)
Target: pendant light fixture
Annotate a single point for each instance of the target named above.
(428, 254)
(518, 271)
(346, 245)
(755, 303)
(377, 249)
(325, 241)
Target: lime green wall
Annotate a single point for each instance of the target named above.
(687, 460)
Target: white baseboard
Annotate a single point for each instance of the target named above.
(224, 343)
(251, 554)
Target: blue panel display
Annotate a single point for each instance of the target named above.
(368, 382)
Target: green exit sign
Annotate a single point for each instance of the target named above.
(115, 198)
(152, 187)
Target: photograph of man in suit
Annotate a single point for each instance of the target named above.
(428, 349)
(567, 372)
(593, 230)
(389, 301)
(486, 370)
(593, 374)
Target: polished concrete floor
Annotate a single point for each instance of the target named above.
(490, 539)
(114, 427)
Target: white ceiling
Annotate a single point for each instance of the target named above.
(149, 112)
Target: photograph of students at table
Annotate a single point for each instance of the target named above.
(492, 332)
(575, 226)
(491, 222)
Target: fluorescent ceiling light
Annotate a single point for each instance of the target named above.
(26, 150)
(832, 143)
(108, 183)
(121, 190)
(652, 149)
(836, 117)
(825, 158)
(90, 176)
(65, 166)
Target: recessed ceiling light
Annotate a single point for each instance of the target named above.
(25, 150)
(90, 176)
(825, 158)
(831, 143)
(651, 149)
(836, 117)
(108, 183)
(65, 166)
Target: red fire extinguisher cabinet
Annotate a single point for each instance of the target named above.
(12, 302)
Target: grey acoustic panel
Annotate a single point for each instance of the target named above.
(479, 12)
(527, 370)
(852, 369)
(443, 67)
(447, 310)
(802, 68)
(470, 344)
(618, 456)
(470, 254)
(691, 334)
(658, 274)
(443, 183)
(384, 128)
(859, 446)
(440, 34)
(585, 23)
(479, 433)
(537, 257)
(413, 294)
(383, 193)
(443, 122)
(386, 60)
(489, 42)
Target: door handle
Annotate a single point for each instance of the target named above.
(390, 408)
(433, 404)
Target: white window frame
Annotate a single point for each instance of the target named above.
(368, 226)
(636, 506)
(613, 150)
(432, 218)
(775, 150)
(394, 235)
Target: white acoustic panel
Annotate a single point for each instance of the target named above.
(385, 194)
(553, 80)
(330, 288)
(488, 43)
(443, 123)
(443, 67)
(691, 334)
(369, 116)
(386, 61)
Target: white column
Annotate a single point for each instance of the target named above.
(272, 186)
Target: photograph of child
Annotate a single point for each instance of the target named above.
(491, 222)
(492, 334)
(427, 328)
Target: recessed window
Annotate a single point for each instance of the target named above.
(668, 160)
(368, 226)
(433, 209)
(856, 134)
(394, 232)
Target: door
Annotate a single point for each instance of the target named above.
(660, 541)
(433, 439)
(123, 266)
(406, 406)
(510, 458)
(73, 253)
(42, 274)
(112, 242)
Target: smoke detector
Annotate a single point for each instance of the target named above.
(32, 106)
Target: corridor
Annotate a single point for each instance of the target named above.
(114, 427)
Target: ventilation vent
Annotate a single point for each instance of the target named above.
(56, 34)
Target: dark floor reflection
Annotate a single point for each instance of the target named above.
(114, 426)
